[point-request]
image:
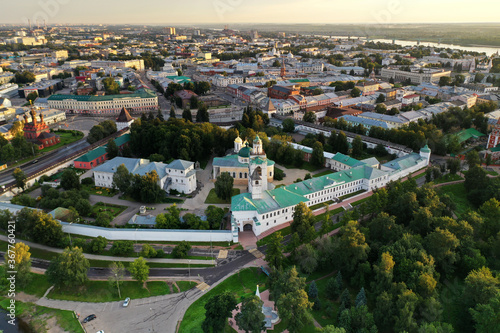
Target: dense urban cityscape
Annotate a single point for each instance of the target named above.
(249, 177)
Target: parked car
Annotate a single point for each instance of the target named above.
(100, 332)
(126, 301)
(89, 318)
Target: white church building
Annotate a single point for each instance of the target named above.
(262, 209)
(179, 175)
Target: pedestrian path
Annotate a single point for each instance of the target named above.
(256, 253)
(111, 258)
(222, 254)
(203, 286)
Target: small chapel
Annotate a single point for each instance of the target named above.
(38, 132)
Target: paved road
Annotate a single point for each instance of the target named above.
(154, 314)
(45, 161)
(162, 101)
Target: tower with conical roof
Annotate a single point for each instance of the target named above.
(124, 120)
(283, 68)
(269, 108)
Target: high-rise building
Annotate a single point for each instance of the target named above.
(169, 30)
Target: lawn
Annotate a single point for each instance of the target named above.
(212, 198)
(241, 284)
(38, 316)
(359, 202)
(95, 190)
(284, 232)
(37, 285)
(305, 166)
(458, 196)
(66, 138)
(102, 291)
(447, 178)
(185, 285)
(321, 205)
(347, 196)
(324, 173)
(113, 210)
(492, 173)
(172, 200)
(419, 176)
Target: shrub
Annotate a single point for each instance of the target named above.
(87, 181)
(122, 247)
(278, 174)
(181, 250)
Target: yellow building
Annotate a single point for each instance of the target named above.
(244, 160)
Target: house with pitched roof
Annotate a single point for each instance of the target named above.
(179, 175)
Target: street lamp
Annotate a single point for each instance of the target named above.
(211, 253)
(189, 267)
(118, 286)
(69, 235)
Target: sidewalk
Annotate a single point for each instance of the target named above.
(110, 258)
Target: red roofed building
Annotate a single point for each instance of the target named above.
(410, 99)
(494, 138)
(185, 96)
(38, 132)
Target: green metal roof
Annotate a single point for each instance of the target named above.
(271, 201)
(344, 159)
(465, 135)
(495, 149)
(92, 155)
(229, 161)
(143, 93)
(425, 149)
(404, 162)
(298, 80)
(244, 152)
(121, 140)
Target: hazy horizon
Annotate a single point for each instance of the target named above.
(220, 12)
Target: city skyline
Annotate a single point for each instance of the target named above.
(156, 12)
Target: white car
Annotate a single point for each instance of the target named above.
(126, 301)
(100, 332)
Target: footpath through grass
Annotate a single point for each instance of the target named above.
(212, 198)
(241, 284)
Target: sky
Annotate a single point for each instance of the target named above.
(168, 12)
